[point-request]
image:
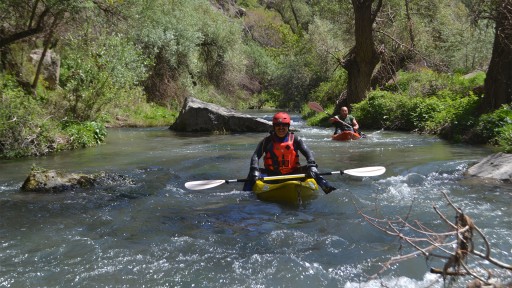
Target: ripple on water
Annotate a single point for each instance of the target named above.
(159, 234)
(429, 280)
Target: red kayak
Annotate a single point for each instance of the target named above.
(346, 135)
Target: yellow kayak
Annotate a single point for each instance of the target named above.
(289, 192)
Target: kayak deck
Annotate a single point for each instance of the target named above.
(346, 136)
(289, 192)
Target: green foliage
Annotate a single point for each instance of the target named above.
(84, 134)
(450, 109)
(197, 44)
(292, 55)
(379, 110)
(459, 114)
(443, 32)
(447, 101)
(316, 118)
(461, 45)
(168, 26)
(296, 61)
(149, 114)
(300, 70)
(330, 90)
(25, 129)
(428, 82)
(422, 111)
(221, 50)
(496, 127)
(260, 64)
(97, 73)
(267, 99)
(248, 3)
(505, 138)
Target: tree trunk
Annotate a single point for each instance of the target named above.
(363, 57)
(390, 64)
(46, 43)
(40, 63)
(498, 82)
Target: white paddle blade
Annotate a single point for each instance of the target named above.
(366, 171)
(203, 184)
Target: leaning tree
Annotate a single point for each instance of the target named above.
(362, 59)
(498, 81)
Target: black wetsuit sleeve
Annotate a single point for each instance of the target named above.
(304, 150)
(257, 155)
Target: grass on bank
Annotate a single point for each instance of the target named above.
(36, 125)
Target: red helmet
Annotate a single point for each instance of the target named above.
(281, 117)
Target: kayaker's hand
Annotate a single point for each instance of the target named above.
(312, 172)
(334, 119)
(254, 174)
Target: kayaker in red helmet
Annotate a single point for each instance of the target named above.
(281, 155)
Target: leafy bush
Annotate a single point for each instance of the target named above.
(496, 127)
(379, 110)
(97, 73)
(424, 101)
(84, 134)
(330, 90)
(400, 111)
(148, 114)
(25, 130)
(458, 113)
(505, 138)
(428, 83)
(423, 111)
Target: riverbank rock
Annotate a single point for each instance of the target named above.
(199, 116)
(48, 181)
(51, 66)
(497, 166)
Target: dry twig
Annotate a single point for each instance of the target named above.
(430, 243)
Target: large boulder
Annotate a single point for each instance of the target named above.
(497, 166)
(199, 116)
(51, 66)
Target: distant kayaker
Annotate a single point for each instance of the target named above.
(344, 122)
(281, 155)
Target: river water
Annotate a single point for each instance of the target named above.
(157, 233)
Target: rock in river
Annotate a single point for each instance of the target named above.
(199, 116)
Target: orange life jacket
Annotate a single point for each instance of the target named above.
(281, 158)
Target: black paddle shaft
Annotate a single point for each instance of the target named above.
(236, 180)
(331, 173)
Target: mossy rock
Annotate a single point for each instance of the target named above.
(48, 181)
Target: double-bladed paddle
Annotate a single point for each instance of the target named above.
(360, 172)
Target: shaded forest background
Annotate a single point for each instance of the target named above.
(442, 67)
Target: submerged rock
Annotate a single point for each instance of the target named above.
(47, 181)
(199, 116)
(497, 166)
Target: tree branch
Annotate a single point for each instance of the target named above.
(425, 242)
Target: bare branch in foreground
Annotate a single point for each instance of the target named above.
(453, 246)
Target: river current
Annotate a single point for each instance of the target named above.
(157, 233)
